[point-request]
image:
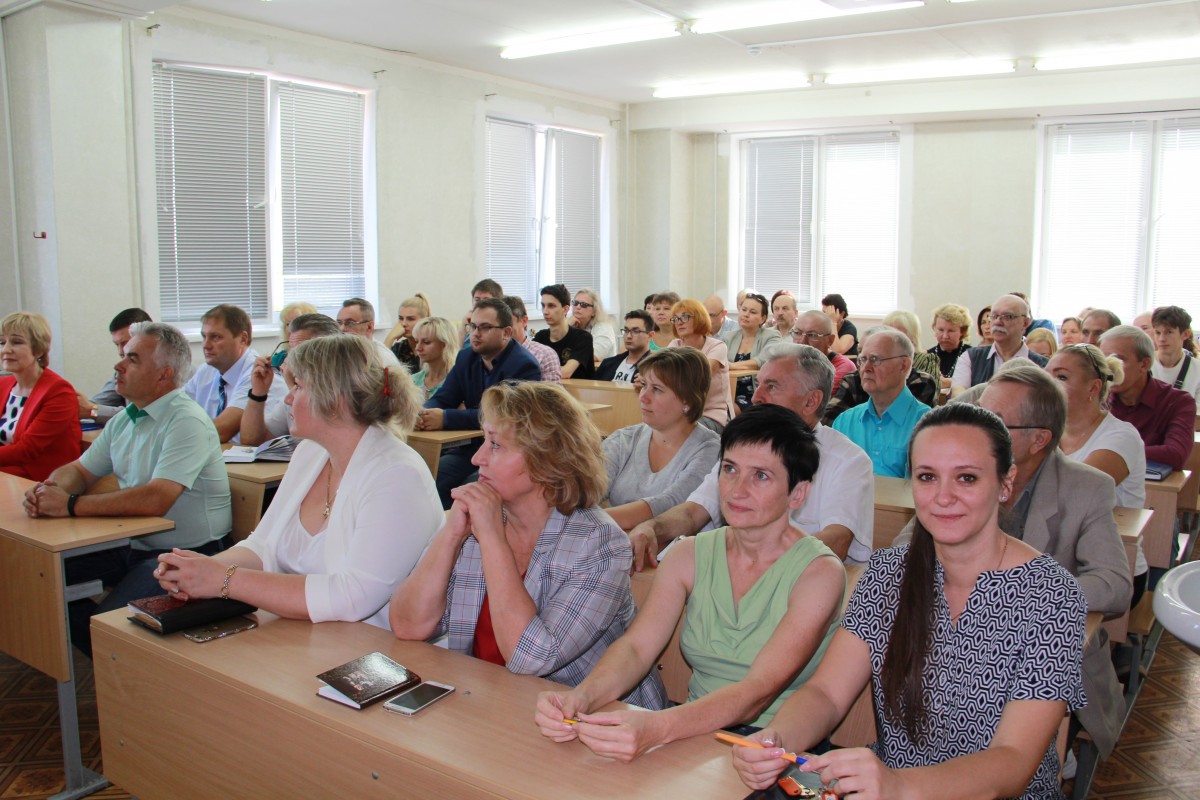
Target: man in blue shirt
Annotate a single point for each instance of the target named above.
(493, 356)
(881, 426)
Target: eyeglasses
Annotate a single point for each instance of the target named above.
(633, 330)
(484, 328)
(994, 317)
(875, 360)
(684, 317)
(1026, 427)
(581, 304)
(352, 323)
(811, 336)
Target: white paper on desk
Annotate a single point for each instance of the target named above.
(330, 693)
(240, 454)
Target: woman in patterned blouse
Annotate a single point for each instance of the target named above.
(971, 641)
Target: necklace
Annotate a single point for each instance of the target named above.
(329, 494)
(1003, 550)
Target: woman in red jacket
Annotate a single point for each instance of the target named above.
(39, 416)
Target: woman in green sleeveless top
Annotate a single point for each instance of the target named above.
(762, 598)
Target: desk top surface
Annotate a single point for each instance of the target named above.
(67, 533)
(1173, 483)
(894, 494)
(588, 383)
(483, 733)
(1131, 522)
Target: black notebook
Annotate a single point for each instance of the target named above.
(366, 679)
(165, 614)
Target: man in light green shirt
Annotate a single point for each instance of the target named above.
(165, 454)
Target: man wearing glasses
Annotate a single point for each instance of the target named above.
(357, 318)
(882, 425)
(815, 329)
(493, 356)
(1009, 317)
(622, 368)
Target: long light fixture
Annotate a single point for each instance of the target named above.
(585, 41)
(784, 13)
(760, 83)
(1145, 54)
(950, 69)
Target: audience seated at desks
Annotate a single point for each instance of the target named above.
(1175, 350)
(834, 306)
(266, 414)
(164, 452)
(106, 403)
(587, 314)
(951, 328)
(746, 342)
(760, 598)
(547, 359)
(355, 509)
(1163, 415)
(39, 426)
(691, 326)
(953, 711)
(528, 572)
(657, 464)
(839, 509)
(623, 367)
(1009, 317)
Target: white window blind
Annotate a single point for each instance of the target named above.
(1175, 277)
(511, 215)
(210, 155)
(860, 219)
(573, 209)
(1095, 211)
(821, 214)
(321, 194)
(777, 206)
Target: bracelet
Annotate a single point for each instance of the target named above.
(71, 505)
(258, 398)
(225, 585)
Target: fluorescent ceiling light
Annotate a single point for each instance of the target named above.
(1166, 51)
(783, 13)
(584, 41)
(760, 83)
(952, 69)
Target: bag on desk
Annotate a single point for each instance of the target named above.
(365, 680)
(164, 614)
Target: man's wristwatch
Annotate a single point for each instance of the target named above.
(258, 398)
(94, 413)
(71, 505)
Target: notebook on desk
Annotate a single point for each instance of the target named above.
(1157, 471)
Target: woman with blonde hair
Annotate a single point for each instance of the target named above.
(1042, 342)
(588, 313)
(692, 327)
(907, 323)
(528, 572)
(286, 314)
(355, 509)
(38, 431)
(402, 337)
(436, 346)
(951, 328)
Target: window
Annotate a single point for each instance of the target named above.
(543, 191)
(1120, 200)
(260, 192)
(821, 214)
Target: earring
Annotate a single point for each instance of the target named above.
(686, 409)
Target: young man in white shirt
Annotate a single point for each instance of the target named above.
(1173, 364)
(622, 368)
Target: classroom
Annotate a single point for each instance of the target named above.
(966, 168)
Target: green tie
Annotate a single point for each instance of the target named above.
(134, 412)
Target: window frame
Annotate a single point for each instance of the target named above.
(736, 229)
(273, 181)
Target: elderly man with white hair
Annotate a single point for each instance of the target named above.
(881, 426)
(1009, 317)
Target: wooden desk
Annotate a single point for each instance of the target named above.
(34, 597)
(603, 415)
(622, 397)
(248, 485)
(88, 437)
(1163, 497)
(428, 444)
(1189, 497)
(893, 509)
(1131, 522)
(244, 718)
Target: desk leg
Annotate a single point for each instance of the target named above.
(79, 780)
(430, 451)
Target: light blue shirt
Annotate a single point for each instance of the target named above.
(885, 439)
(173, 439)
(203, 387)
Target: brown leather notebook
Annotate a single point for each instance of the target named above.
(164, 614)
(365, 680)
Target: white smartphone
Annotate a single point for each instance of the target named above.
(416, 698)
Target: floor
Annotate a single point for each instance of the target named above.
(1158, 755)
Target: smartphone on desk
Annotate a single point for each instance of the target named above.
(413, 700)
(219, 630)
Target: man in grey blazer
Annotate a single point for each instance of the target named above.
(1064, 508)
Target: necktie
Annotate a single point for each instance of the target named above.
(221, 398)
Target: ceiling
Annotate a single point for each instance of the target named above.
(470, 34)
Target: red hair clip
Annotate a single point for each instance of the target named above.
(387, 383)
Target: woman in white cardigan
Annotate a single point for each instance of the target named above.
(355, 509)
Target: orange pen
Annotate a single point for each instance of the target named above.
(742, 741)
